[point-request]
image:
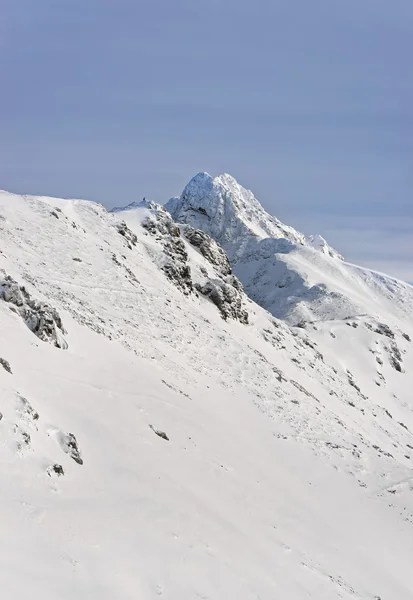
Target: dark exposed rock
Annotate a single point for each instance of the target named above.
(5, 364)
(406, 337)
(226, 295)
(175, 267)
(382, 451)
(74, 449)
(353, 384)
(225, 291)
(23, 437)
(25, 409)
(159, 433)
(208, 248)
(180, 275)
(55, 469)
(130, 237)
(160, 222)
(26, 437)
(68, 444)
(395, 357)
(312, 345)
(384, 329)
(175, 248)
(43, 320)
(303, 390)
(280, 375)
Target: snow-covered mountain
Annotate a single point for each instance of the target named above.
(162, 435)
(294, 277)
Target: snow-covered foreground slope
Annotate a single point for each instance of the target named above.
(294, 277)
(286, 472)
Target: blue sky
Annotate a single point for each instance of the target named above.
(309, 104)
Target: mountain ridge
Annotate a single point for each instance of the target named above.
(221, 456)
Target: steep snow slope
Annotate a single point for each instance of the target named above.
(286, 472)
(295, 278)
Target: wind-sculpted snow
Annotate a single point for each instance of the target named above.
(171, 452)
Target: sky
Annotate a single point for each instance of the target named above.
(308, 104)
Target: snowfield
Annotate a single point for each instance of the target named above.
(164, 436)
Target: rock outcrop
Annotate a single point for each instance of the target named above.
(221, 286)
(43, 320)
(227, 296)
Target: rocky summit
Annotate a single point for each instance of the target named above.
(290, 275)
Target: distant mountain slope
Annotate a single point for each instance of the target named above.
(294, 277)
(161, 435)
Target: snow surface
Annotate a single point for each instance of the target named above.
(287, 472)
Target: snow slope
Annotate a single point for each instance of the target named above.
(286, 472)
(294, 277)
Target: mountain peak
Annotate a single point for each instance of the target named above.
(233, 216)
(228, 212)
(296, 278)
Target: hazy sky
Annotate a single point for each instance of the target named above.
(307, 103)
